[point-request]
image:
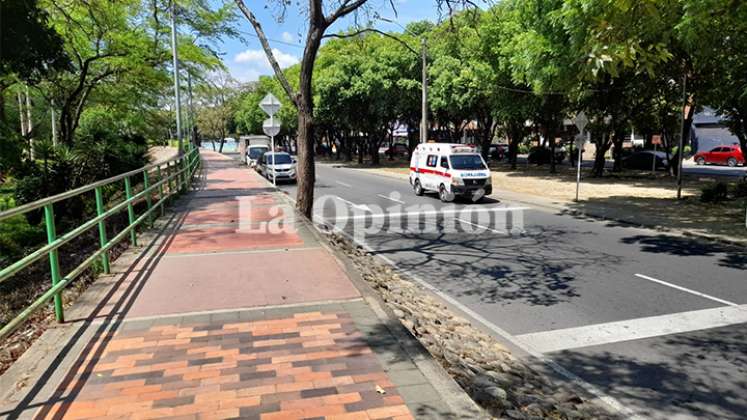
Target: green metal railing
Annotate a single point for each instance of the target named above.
(163, 179)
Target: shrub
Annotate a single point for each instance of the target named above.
(714, 193)
(740, 189)
(16, 237)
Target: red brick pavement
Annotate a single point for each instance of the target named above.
(310, 365)
(225, 281)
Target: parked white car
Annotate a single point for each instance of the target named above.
(281, 164)
(451, 170)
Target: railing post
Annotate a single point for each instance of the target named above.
(185, 166)
(168, 182)
(103, 241)
(179, 176)
(160, 187)
(54, 260)
(148, 193)
(130, 211)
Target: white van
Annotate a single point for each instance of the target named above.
(451, 170)
(254, 152)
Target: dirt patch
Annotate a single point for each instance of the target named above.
(502, 384)
(161, 153)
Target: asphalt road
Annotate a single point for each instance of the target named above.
(653, 320)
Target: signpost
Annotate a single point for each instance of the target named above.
(581, 121)
(271, 105)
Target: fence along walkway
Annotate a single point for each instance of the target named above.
(154, 185)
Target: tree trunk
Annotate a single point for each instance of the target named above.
(551, 139)
(305, 168)
(617, 142)
(603, 145)
(514, 132)
(741, 134)
(486, 138)
(305, 103)
(360, 146)
(373, 147)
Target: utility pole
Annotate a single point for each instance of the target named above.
(191, 111)
(176, 78)
(29, 123)
(21, 114)
(424, 118)
(424, 57)
(681, 148)
(54, 124)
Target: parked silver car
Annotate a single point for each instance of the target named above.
(281, 164)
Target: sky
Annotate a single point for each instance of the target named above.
(246, 60)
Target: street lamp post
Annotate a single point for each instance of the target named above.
(681, 147)
(175, 55)
(424, 57)
(424, 118)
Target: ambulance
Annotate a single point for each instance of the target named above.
(451, 170)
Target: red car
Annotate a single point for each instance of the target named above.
(722, 155)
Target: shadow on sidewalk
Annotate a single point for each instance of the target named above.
(102, 334)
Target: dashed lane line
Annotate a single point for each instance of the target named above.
(390, 198)
(685, 289)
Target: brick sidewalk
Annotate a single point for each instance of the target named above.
(212, 321)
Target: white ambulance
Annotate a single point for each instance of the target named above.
(451, 170)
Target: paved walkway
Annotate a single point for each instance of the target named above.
(214, 317)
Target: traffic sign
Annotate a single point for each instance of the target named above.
(581, 121)
(271, 127)
(270, 104)
(580, 140)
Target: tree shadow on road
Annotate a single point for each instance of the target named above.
(536, 268)
(730, 257)
(688, 214)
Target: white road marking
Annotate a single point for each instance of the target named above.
(634, 329)
(390, 198)
(425, 213)
(685, 289)
(502, 232)
(353, 205)
(343, 184)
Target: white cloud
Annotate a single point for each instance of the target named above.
(259, 59)
(248, 65)
(287, 37)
